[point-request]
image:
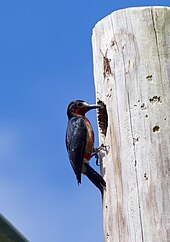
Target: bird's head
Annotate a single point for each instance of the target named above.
(79, 108)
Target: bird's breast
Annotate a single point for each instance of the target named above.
(89, 141)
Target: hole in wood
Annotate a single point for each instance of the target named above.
(149, 78)
(156, 129)
(145, 176)
(143, 106)
(102, 117)
(155, 99)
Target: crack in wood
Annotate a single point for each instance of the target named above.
(106, 65)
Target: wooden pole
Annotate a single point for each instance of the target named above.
(131, 51)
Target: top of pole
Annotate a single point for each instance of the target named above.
(134, 9)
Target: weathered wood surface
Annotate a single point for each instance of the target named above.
(131, 52)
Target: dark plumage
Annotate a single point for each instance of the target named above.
(80, 142)
(75, 142)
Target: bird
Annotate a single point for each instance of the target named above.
(80, 142)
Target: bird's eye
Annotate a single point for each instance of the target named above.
(79, 105)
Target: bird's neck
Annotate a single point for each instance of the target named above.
(87, 120)
(78, 115)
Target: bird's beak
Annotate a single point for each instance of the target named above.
(93, 106)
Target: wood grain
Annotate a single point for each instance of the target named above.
(131, 55)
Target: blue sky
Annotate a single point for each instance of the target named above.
(45, 62)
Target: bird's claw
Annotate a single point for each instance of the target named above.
(97, 150)
(97, 159)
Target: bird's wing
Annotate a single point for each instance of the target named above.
(75, 142)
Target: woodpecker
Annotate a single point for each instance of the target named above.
(80, 142)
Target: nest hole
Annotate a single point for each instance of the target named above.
(102, 117)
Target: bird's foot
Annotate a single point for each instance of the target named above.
(97, 150)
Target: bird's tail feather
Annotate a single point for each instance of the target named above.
(95, 177)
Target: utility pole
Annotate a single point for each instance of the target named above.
(131, 53)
